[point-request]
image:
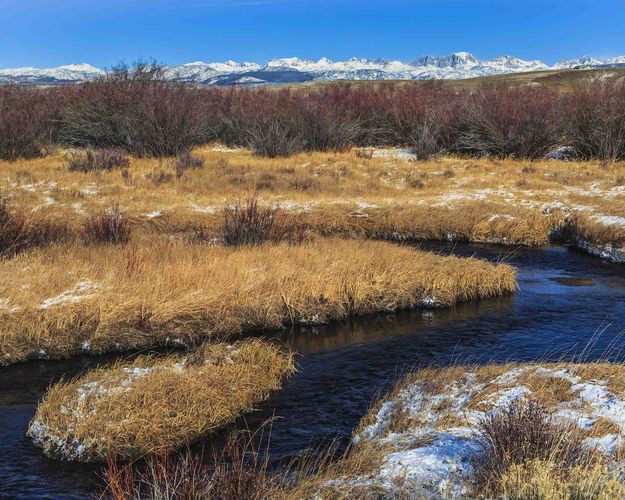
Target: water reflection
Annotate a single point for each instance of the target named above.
(344, 366)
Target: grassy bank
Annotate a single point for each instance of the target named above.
(522, 431)
(70, 299)
(155, 405)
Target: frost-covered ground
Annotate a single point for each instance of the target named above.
(426, 430)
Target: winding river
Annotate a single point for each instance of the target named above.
(569, 306)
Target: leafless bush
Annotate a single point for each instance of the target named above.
(25, 121)
(419, 116)
(96, 160)
(507, 121)
(595, 121)
(14, 230)
(520, 433)
(135, 109)
(185, 161)
(108, 227)
(19, 231)
(250, 224)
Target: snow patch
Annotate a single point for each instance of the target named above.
(83, 290)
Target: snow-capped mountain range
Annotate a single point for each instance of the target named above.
(292, 70)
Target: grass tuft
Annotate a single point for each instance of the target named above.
(250, 224)
(109, 227)
(154, 405)
(97, 160)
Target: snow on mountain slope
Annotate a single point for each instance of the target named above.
(62, 74)
(293, 69)
(587, 61)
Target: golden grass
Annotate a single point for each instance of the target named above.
(65, 300)
(485, 200)
(156, 404)
(548, 480)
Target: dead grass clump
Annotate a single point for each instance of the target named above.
(186, 161)
(250, 224)
(153, 405)
(520, 433)
(587, 229)
(237, 471)
(97, 160)
(109, 227)
(547, 480)
(90, 296)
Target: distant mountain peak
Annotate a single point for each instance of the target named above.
(294, 69)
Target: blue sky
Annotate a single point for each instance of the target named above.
(54, 32)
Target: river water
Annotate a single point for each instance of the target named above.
(569, 306)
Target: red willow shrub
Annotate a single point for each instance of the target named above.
(503, 121)
(109, 227)
(421, 116)
(594, 121)
(135, 109)
(26, 121)
(283, 122)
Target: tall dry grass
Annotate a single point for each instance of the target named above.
(67, 300)
(154, 405)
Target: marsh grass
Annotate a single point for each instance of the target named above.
(485, 200)
(116, 297)
(20, 231)
(153, 405)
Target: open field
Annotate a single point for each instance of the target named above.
(524, 431)
(153, 405)
(562, 80)
(65, 300)
(363, 193)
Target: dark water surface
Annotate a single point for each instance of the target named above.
(568, 304)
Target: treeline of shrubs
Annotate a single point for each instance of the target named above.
(135, 110)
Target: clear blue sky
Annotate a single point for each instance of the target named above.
(54, 32)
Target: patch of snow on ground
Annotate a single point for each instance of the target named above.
(89, 191)
(153, 215)
(610, 220)
(608, 251)
(83, 290)
(6, 307)
(203, 210)
(432, 461)
(400, 153)
(220, 148)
